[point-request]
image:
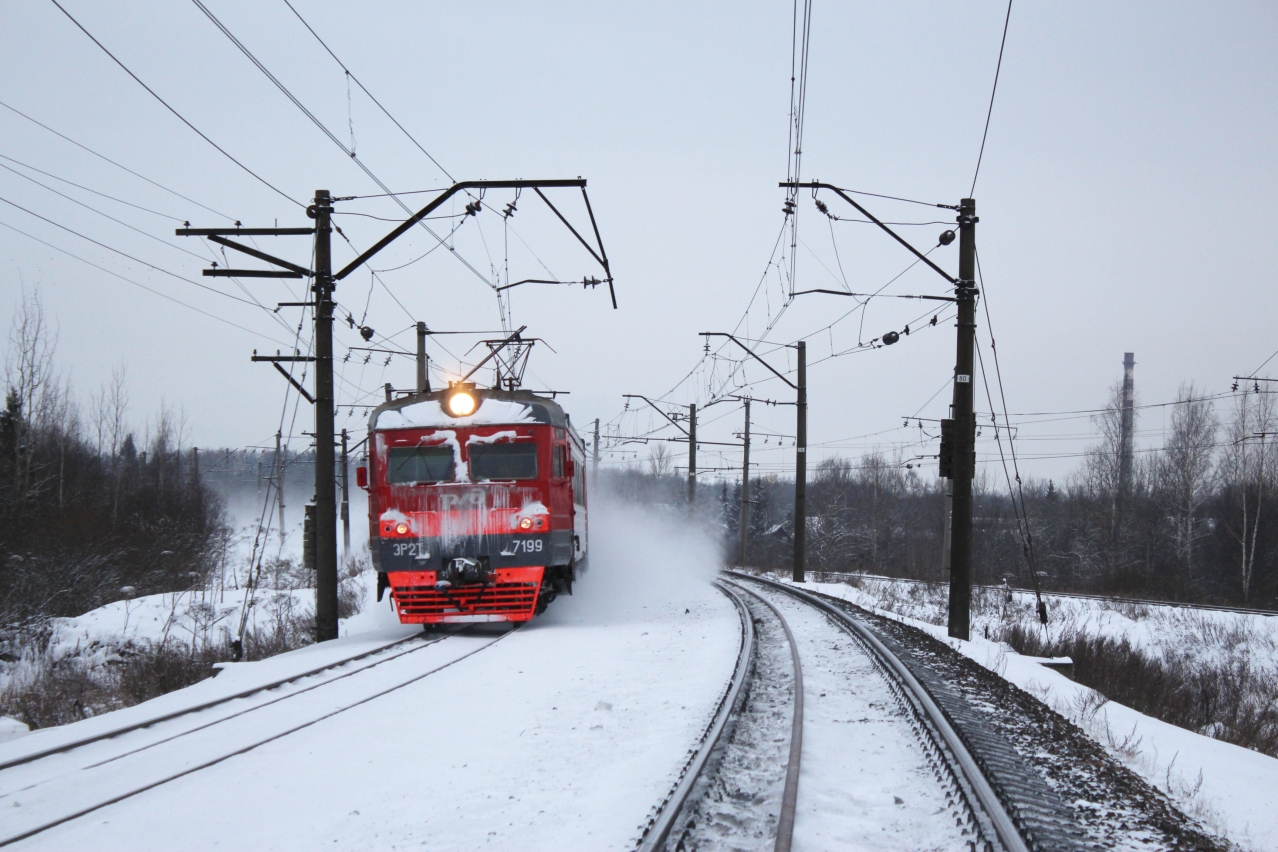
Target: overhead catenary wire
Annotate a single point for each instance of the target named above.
(331, 136)
(385, 111)
(179, 115)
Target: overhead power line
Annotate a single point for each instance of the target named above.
(129, 256)
(99, 212)
(179, 115)
(142, 286)
(107, 159)
(86, 189)
(994, 90)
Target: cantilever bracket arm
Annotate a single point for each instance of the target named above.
(867, 214)
(600, 256)
(658, 410)
(260, 255)
(751, 353)
(408, 223)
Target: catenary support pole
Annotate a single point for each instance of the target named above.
(325, 487)
(960, 616)
(1127, 423)
(594, 462)
(423, 380)
(744, 532)
(801, 468)
(279, 482)
(947, 504)
(346, 497)
(692, 454)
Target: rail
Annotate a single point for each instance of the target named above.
(790, 793)
(164, 717)
(963, 762)
(658, 829)
(30, 831)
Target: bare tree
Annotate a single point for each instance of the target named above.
(659, 461)
(1184, 474)
(1247, 466)
(32, 384)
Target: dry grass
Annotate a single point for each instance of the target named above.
(1229, 700)
(46, 693)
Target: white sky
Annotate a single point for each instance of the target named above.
(1130, 161)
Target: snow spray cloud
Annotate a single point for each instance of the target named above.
(640, 558)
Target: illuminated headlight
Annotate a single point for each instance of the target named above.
(526, 524)
(461, 404)
(401, 528)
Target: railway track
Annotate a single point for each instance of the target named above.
(69, 780)
(995, 801)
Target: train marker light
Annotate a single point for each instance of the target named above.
(461, 400)
(526, 524)
(402, 528)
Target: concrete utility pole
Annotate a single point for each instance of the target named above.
(325, 496)
(964, 465)
(801, 468)
(744, 532)
(346, 498)
(423, 380)
(692, 454)
(1125, 450)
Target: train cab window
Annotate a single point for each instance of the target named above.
(558, 466)
(503, 461)
(420, 464)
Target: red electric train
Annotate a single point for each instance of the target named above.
(477, 504)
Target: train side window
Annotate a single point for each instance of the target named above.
(557, 466)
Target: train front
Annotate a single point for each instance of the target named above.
(476, 504)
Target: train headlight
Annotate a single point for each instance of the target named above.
(526, 524)
(461, 401)
(401, 528)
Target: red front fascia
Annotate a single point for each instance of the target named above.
(512, 596)
(454, 508)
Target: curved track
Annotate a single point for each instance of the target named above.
(992, 817)
(36, 761)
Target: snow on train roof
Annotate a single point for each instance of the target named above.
(430, 414)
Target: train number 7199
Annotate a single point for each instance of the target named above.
(526, 545)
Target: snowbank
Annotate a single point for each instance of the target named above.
(1230, 788)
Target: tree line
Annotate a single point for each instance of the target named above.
(1196, 519)
(91, 510)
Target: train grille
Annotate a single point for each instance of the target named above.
(509, 599)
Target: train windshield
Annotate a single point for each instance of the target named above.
(420, 464)
(503, 461)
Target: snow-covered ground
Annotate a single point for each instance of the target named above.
(562, 735)
(1230, 788)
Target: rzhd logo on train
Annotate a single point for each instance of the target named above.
(466, 500)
